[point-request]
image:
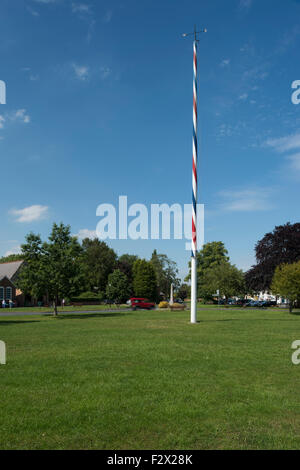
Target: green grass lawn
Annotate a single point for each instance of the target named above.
(60, 309)
(150, 380)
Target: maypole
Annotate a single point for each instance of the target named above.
(195, 182)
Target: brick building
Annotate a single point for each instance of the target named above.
(8, 276)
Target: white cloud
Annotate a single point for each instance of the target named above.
(225, 63)
(2, 121)
(81, 8)
(288, 144)
(246, 200)
(294, 161)
(81, 72)
(30, 214)
(33, 77)
(230, 130)
(86, 233)
(46, 1)
(16, 250)
(105, 72)
(284, 144)
(33, 12)
(245, 4)
(243, 97)
(20, 115)
(108, 16)
(85, 13)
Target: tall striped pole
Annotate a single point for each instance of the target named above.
(195, 193)
(195, 184)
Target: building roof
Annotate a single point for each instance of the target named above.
(9, 269)
(5, 277)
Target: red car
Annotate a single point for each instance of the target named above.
(137, 302)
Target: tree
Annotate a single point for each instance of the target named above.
(11, 258)
(166, 273)
(52, 267)
(144, 280)
(226, 278)
(282, 246)
(183, 292)
(118, 287)
(212, 254)
(286, 282)
(31, 279)
(125, 264)
(98, 261)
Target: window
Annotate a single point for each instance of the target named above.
(1, 293)
(8, 293)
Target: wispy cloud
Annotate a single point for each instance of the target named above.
(86, 233)
(230, 130)
(85, 13)
(246, 200)
(284, 144)
(294, 161)
(225, 63)
(81, 8)
(288, 39)
(32, 76)
(108, 16)
(30, 214)
(81, 72)
(32, 11)
(46, 1)
(20, 115)
(16, 250)
(245, 4)
(105, 72)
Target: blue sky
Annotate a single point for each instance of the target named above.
(99, 104)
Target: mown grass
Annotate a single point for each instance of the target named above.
(150, 380)
(69, 308)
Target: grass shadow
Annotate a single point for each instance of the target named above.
(248, 319)
(17, 322)
(87, 315)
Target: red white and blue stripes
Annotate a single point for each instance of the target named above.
(195, 157)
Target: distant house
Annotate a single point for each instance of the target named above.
(9, 273)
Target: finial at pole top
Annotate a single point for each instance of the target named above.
(195, 33)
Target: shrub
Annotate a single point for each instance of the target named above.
(88, 297)
(163, 305)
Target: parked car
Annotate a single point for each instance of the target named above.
(141, 303)
(178, 301)
(251, 303)
(257, 304)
